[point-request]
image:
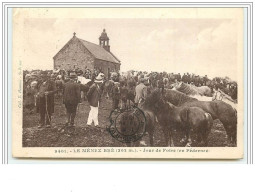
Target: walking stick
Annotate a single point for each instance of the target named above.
(46, 99)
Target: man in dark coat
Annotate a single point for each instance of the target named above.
(161, 84)
(45, 101)
(179, 77)
(115, 95)
(124, 94)
(205, 79)
(71, 98)
(184, 78)
(94, 96)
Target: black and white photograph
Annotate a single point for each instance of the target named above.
(163, 79)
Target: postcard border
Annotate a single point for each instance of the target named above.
(6, 126)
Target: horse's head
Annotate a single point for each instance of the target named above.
(155, 101)
(173, 86)
(177, 85)
(217, 95)
(180, 85)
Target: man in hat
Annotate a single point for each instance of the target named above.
(161, 83)
(45, 100)
(71, 98)
(94, 96)
(115, 95)
(140, 92)
(205, 80)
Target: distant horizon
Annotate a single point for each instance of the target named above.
(143, 71)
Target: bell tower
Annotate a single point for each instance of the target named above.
(104, 41)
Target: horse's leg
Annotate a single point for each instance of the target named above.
(136, 144)
(151, 133)
(205, 140)
(189, 141)
(202, 137)
(121, 104)
(171, 137)
(199, 136)
(184, 139)
(128, 144)
(229, 136)
(232, 136)
(125, 105)
(166, 133)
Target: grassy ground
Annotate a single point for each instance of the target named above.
(82, 136)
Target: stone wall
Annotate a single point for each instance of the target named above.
(106, 66)
(74, 55)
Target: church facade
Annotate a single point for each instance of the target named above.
(81, 54)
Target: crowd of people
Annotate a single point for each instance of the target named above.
(75, 86)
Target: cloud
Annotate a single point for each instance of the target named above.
(200, 46)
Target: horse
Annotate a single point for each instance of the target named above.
(59, 85)
(127, 96)
(193, 90)
(108, 86)
(186, 89)
(217, 109)
(182, 118)
(127, 123)
(220, 95)
(85, 88)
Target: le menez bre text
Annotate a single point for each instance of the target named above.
(130, 150)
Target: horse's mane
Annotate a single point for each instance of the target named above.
(177, 98)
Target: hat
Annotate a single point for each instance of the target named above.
(79, 72)
(99, 79)
(101, 74)
(72, 75)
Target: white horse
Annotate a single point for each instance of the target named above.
(193, 90)
(220, 95)
(190, 91)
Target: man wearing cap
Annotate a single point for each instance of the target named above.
(71, 98)
(45, 100)
(140, 92)
(94, 96)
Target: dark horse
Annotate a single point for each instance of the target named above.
(182, 118)
(108, 86)
(85, 88)
(217, 109)
(127, 121)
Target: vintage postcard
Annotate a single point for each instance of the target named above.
(150, 83)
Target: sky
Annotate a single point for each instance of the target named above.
(195, 45)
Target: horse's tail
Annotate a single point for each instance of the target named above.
(209, 121)
(205, 127)
(185, 115)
